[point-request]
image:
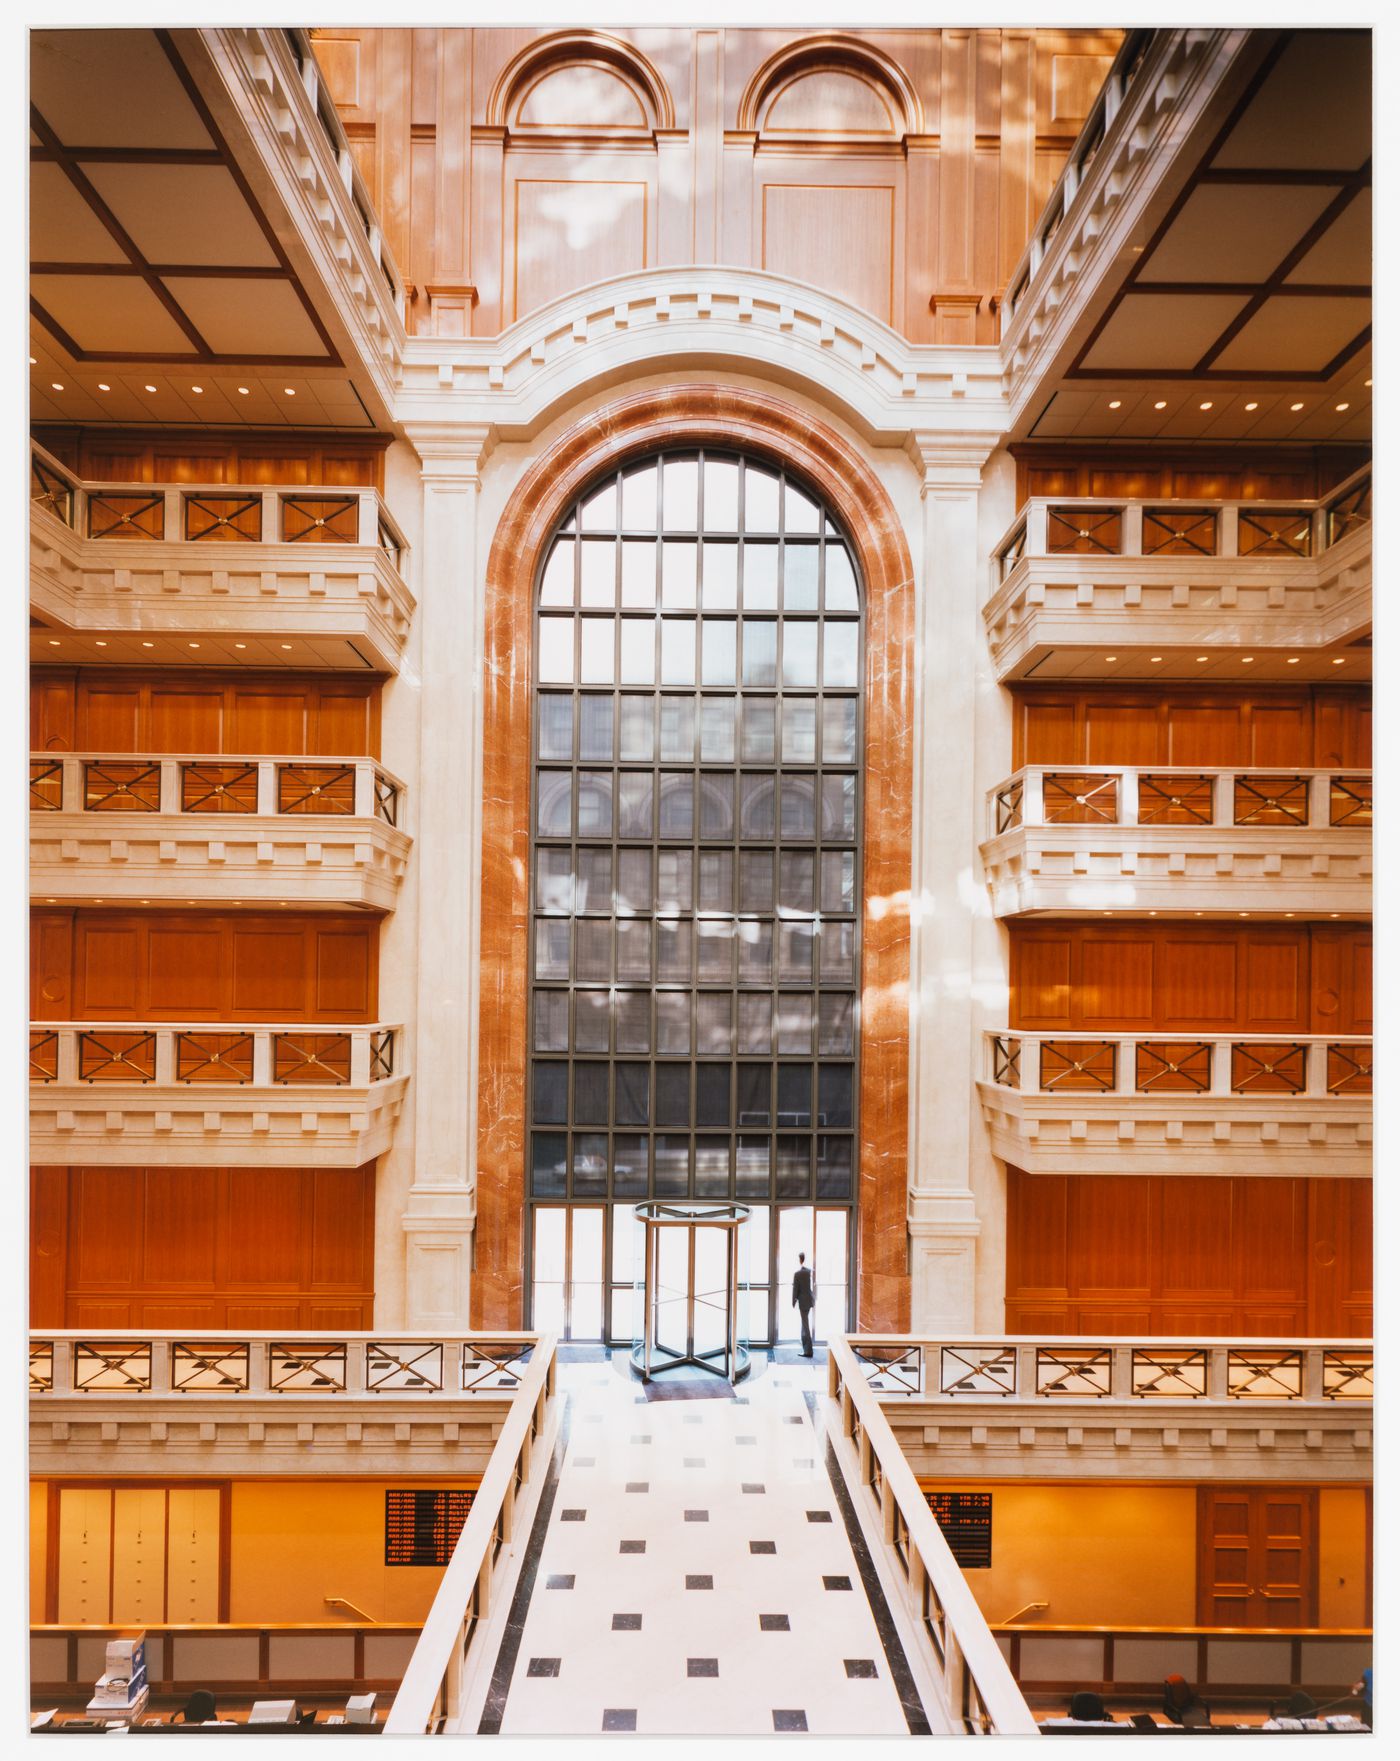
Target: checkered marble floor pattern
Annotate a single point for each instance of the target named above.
(696, 1577)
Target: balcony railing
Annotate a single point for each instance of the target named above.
(1027, 1372)
(979, 1694)
(125, 1054)
(300, 1365)
(81, 782)
(430, 1695)
(212, 514)
(1049, 527)
(1180, 1065)
(1179, 795)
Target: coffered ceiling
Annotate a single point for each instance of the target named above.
(1243, 309)
(160, 290)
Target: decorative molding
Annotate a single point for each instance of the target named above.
(591, 48)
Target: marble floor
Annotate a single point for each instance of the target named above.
(692, 1571)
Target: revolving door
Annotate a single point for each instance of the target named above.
(692, 1266)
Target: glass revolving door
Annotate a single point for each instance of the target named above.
(692, 1265)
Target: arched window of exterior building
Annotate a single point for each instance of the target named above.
(695, 882)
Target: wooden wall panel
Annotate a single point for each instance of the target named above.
(570, 231)
(114, 455)
(1199, 473)
(1108, 724)
(246, 715)
(1209, 977)
(103, 965)
(1175, 1254)
(204, 1247)
(839, 236)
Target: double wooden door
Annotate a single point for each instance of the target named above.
(1258, 1556)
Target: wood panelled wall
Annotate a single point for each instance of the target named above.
(1180, 1254)
(202, 712)
(1112, 724)
(1208, 977)
(903, 169)
(103, 965)
(1204, 473)
(202, 1247)
(197, 455)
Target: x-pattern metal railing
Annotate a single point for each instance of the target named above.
(1083, 1371)
(1006, 1061)
(218, 788)
(1349, 1069)
(386, 798)
(110, 787)
(1008, 807)
(43, 1055)
(1166, 1374)
(113, 1056)
(214, 1057)
(382, 1045)
(892, 1369)
(491, 1368)
(1272, 1067)
(223, 518)
(1264, 1375)
(1175, 800)
(1069, 798)
(50, 490)
(1173, 1066)
(399, 1367)
(1315, 1066)
(321, 519)
(311, 1057)
(1271, 800)
(1285, 532)
(1183, 532)
(1348, 1375)
(1078, 1064)
(1349, 801)
(1084, 530)
(316, 788)
(1349, 511)
(119, 1367)
(46, 784)
(306, 1369)
(41, 1366)
(972, 1369)
(197, 1368)
(114, 515)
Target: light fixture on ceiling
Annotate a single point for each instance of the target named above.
(150, 388)
(1368, 381)
(34, 362)
(1293, 659)
(1244, 914)
(1154, 658)
(1341, 407)
(1201, 657)
(1161, 404)
(1339, 661)
(1295, 408)
(1253, 406)
(1247, 659)
(56, 385)
(243, 391)
(198, 388)
(240, 644)
(101, 644)
(290, 392)
(54, 642)
(1336, 914)
(287, 646)
(1207, 405)
(103, 386)
(1115, 403)
(1110, 657)
(148, 644)
(192, 645)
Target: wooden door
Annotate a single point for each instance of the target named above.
(1257, 1556)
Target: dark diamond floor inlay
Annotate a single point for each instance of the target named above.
(620, 1718)
(627, 1623)
(697, 1516)
(542, 1666)
(763, 1546)
(699, 1580)
(702, 1666)
(773, 1623)
(572, 1516)
(818, 1516)
(861, 1669)
(632, 1547)
(789, 1720)
(559, 1580)
(836, 1583)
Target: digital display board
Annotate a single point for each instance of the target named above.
(421, 1528)
(966, 1521)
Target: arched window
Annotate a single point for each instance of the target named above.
(695, 878)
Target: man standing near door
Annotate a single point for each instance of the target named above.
(803, 1299)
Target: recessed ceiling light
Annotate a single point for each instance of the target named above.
(54, 642)
(1253, 406)
(1207, 405)
(1293, 659)
(101, 644)
(1339, 661)
(148, 644)
(56, 385)
(1154, 658)
(289, 391)
(34, 362)
(192, 645)
(1201, 657)
(1115, 403)
(102, 386)
(1244, 914)
(287, 646)
(243, 391)
(1110, 657)
(1288, 914)
(1368, 381)
(240, 644)
(1295, 407)
(1336, 914)
(1160, 405)
(1341, 407)
(150, 388)
(1248, 659)
(198, 388)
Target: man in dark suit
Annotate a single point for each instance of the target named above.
(803, 1297)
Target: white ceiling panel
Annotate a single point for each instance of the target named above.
(1235, 232)
(1342, 256)
(183, 213)
(1323, 77)
(107, 314)
(62, 227)
(82, 81)
(1162, 331)
(248, 318)
(1294, 335)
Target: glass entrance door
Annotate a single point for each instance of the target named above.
(567, 1270)
(823, 1234)
(691, 1278)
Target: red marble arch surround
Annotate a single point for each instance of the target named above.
(768, 428)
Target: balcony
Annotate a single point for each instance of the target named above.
(319, 566)
(1006, 1407)
(1067, 839)
(270, 1403)
(1173, 1103)
(213, 1095)
(1096, 573)
(320, 831)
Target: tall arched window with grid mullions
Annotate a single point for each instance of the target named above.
(696, 883)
